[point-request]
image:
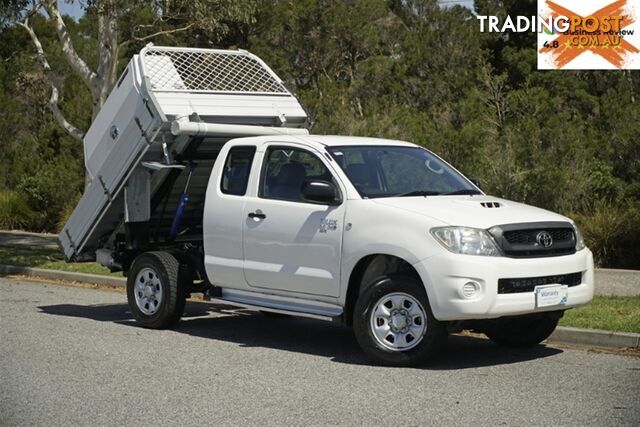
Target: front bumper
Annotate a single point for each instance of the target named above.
(445, 274)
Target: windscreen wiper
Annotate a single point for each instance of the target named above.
(418, 193)
(466, 191)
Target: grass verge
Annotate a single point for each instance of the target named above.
(50, 259)
(611, 313)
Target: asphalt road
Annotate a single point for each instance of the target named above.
(73, 356)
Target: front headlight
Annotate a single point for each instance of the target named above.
(467, 241)
(579, 239)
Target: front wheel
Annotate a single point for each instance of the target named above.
(525, 331)
(155, 290)
(393, 322)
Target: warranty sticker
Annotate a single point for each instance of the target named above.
(591, 35)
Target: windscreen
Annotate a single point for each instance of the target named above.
(395, 171)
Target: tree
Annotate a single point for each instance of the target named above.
(403, 69)
(156, 19)
(98, 81)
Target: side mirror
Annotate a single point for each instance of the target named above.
(475, 181)
(322, 192)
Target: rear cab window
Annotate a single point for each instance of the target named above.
(235, 175)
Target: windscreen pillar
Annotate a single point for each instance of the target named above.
(137, 208)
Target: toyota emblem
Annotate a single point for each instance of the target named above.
(544, 239)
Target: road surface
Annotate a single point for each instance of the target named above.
(74, 356)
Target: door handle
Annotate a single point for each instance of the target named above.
(257, 214)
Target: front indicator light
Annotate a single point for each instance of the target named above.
(579, 239)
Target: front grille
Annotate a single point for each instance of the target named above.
(520, 240)
(528, 284)
(529, 236)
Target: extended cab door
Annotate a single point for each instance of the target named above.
(223, 221)
(290, 244)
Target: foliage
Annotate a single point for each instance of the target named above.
(49, 190)
(611, 231)
(568, 141)
(15, 212)
(67, 210)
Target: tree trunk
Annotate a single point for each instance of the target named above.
(100, 81)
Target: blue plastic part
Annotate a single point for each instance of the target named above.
(177, 218)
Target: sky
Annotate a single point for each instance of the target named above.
(73, 9)
(464, 3)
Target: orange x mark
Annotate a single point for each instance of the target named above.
(611, 47)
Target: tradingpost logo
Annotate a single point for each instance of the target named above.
(602, 34)
(580, 34)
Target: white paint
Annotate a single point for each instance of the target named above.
(286, 254)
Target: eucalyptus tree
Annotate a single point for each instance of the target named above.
(152, 20)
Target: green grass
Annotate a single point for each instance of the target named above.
(620, 314)
(51, 259)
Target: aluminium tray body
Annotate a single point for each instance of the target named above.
(159, 86)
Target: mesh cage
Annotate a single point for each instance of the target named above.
(181, 70)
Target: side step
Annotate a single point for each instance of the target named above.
(279, 304)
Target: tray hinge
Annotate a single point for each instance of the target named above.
(142, 131)
(104, 188)
(73, 245)
(146, 104)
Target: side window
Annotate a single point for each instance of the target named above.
(235, 175)
(286, 169)
(360, 167)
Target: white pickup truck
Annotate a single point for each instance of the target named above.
(224, 192)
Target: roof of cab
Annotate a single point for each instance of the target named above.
(336, 140)
(326, 140)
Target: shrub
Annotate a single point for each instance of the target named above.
(15, 211)
(612, 232)
(67, 211)
(49, 189)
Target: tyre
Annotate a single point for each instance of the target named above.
(393, 322)
(156, 290)
(525, 331)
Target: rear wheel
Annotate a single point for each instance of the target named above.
(525, 331)
(156, 290)
(393, 322)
